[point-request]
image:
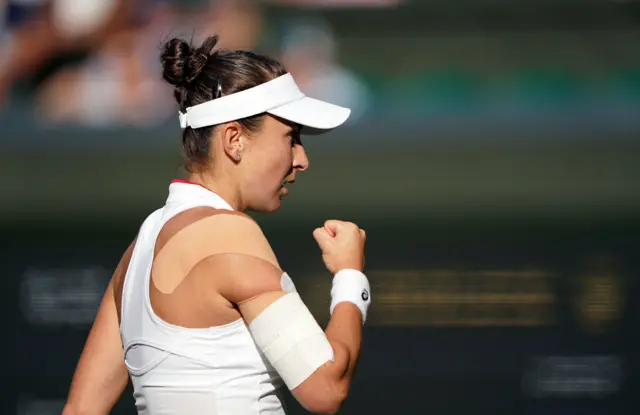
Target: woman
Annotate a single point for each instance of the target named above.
(207, 320)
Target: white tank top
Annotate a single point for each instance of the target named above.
(177, 370)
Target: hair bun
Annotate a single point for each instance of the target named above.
(182, 63)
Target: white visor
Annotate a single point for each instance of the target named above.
(280, 97)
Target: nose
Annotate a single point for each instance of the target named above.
(300, 160)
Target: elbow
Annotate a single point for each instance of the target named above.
(328, 403)
(330, 408)
(324, 407)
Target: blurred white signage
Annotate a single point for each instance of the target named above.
(574, 376)
(62, 296)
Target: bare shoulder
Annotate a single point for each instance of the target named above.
(213, 231)
(199, 218)
(238, 253)
(205, 219)
(227, 245)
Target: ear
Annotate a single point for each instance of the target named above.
(232, 140)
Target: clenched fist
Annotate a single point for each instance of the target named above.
(342, 245)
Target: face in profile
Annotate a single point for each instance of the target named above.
(273, 158)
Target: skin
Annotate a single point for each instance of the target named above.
(210, 283)
(268, 158)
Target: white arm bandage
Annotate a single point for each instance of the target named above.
(352, 286)
(291, 339)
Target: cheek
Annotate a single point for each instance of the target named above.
(281, 159)
(272, 166)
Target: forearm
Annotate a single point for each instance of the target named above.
(95, 396)
(324, 391)
(344, 332)
(101, 375)
(71, 409)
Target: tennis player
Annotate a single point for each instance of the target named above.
(199, 314)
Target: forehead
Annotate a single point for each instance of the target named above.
(275, 124)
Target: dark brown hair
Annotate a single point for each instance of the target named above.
(199, 73)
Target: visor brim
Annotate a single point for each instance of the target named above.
(316, 117)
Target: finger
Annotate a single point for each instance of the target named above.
(331, 232)
(334, 226)
(321, 236)
(363, 234)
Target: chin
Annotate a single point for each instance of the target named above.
(270, 206)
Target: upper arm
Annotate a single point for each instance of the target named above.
(101, 374)
(240, 256)
(233, 248)
(249, 277)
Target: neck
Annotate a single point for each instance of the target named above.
(222, 188)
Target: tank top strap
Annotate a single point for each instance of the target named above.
(139, 323)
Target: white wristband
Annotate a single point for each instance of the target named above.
(352, 286)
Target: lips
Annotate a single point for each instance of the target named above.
(286, 182)
(283, 187)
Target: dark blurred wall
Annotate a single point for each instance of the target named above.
(495, 316)
(504, 275)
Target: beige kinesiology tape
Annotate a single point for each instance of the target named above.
(194, 243)
(291, 339)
